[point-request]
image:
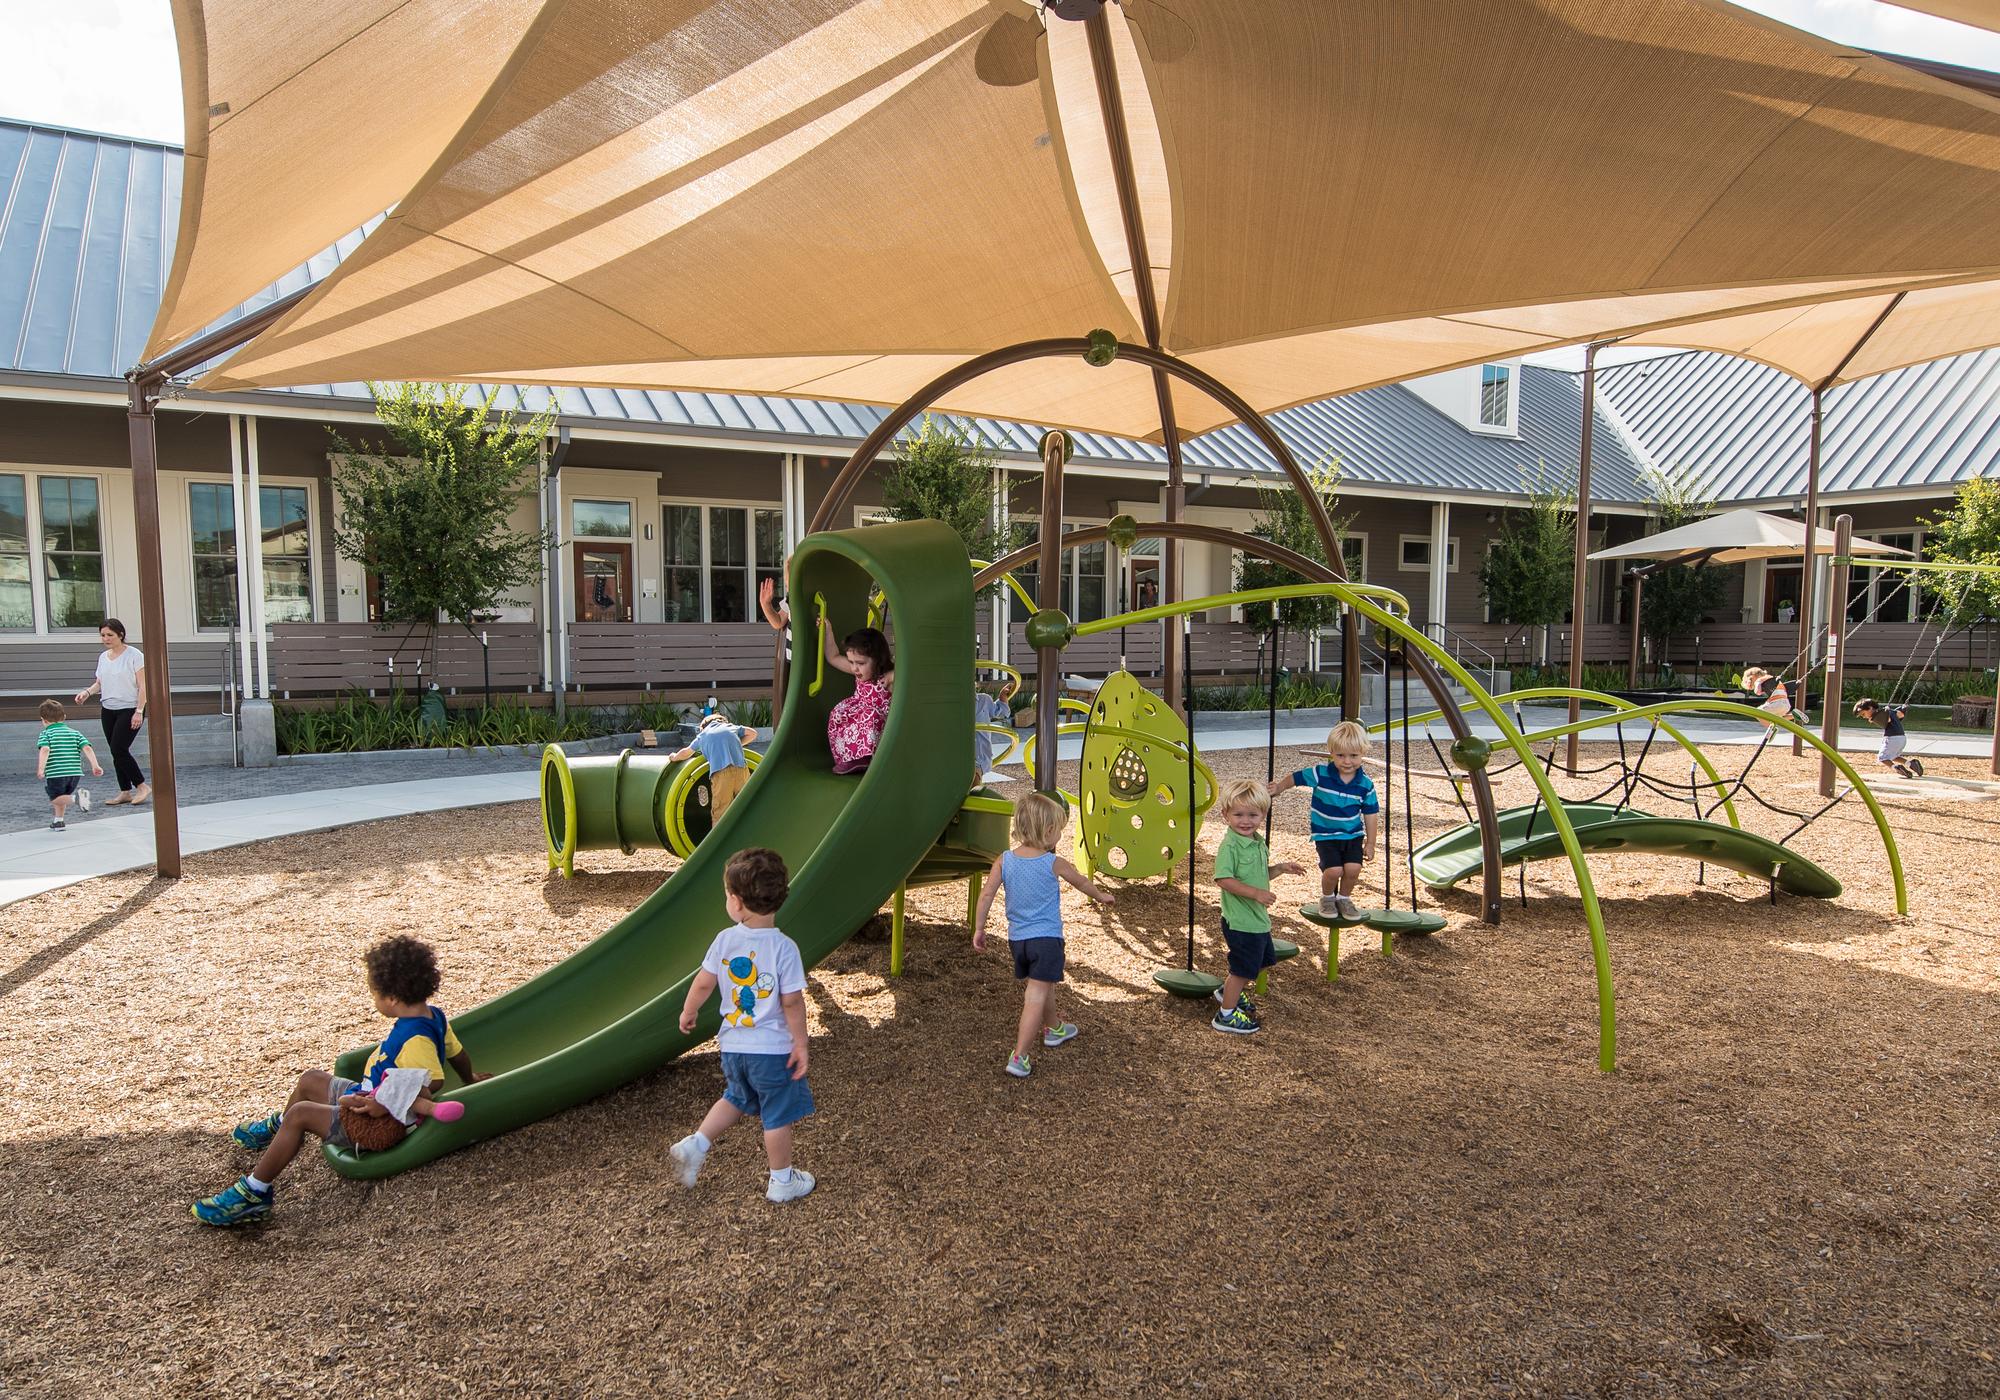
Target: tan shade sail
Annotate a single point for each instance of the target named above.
(1737, 537)
(1983, 13)
(1842, 341)
(844, 197)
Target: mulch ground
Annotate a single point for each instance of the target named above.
(1414, 1181)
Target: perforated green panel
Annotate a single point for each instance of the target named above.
(1134, 822)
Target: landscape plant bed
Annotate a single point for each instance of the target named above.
(1415, 1181)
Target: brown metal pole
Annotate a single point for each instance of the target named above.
(1638, 597)
(1806, 574)
(1579, 586)
(1836, 653)
(153, 623)
(1995, 764)
(1048, 660)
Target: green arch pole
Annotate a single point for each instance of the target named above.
(1362, 600)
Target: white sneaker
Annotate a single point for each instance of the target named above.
(83, 799)
(687, 1159)
(801, 1184)
(1329, 905)
(1347, 907)
(1058, 1035)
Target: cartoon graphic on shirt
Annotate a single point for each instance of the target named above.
(747, 987)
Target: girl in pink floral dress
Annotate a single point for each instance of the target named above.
(855, 726)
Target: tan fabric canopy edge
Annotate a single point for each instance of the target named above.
(1790, 154)
(1982, 14)
(1737, 537)
(291, 142)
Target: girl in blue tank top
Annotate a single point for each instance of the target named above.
(1030, 874)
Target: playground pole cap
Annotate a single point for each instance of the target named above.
(1050, 627)
(1103, 344)
(1122, 531)
(1471, 753)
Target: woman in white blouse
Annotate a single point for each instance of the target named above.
(121, 688)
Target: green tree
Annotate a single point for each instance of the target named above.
(1527, 574)
(431, 515)
(941, 473)
(1968, 533)
(1678, 596)
(1285, 521)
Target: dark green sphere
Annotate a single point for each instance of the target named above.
(1122, 531)
(1050, 628)
(1103, 349)
(1471, 753)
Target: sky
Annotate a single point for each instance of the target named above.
(111, 65)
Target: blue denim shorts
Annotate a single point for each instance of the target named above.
(1249, 953)
(1038, 960)
(762, 1087)
(60, 787)
(1334, 854)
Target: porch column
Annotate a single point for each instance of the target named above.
(239, 522)
(1580, 574)
(254, 513)
(1440, 562)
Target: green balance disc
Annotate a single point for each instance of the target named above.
(1184, 983)
(1310, 913)
(1284, 949)
(1403, 920)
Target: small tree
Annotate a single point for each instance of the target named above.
(1527, 574)
(432, 517)
(940, 473)
(1678, 596)
(1286, 522)
(1968, 533)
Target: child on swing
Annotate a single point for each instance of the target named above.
(1894, 740)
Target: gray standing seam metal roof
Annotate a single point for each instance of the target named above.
(87, 226)
(1743, 426)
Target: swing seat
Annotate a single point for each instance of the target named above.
(1403, 920)
(1187, 983)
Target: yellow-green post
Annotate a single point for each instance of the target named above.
(896, 932)
(1333, 952)
(972, 888)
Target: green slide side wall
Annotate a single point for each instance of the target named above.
(610, 1013)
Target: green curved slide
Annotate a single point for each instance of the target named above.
(1526, 834)
(610, 1013)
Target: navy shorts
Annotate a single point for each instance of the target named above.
(1249, 953)
(1334, 854)
(60, 787)
(1038, 959)
(762, 1087)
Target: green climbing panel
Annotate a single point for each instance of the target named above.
(1132, 795)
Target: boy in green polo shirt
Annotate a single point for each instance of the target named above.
(60, 755)
(1243, 872)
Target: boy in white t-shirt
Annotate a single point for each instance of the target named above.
(763, 1033)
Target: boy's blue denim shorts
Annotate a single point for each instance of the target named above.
(1249, 953)
(60, 787)
(762, 1087)
(1038, 960)
(1334, 854)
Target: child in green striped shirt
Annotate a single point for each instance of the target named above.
(60, 755)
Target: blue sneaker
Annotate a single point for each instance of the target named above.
(235, 1204)
(1235, 1022)
(1243, 999)
(257, 1134)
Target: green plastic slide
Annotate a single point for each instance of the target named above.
(610, 1013)
(1526, 834)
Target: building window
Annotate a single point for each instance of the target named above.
(601, 520)
(1354, 554)
(17, 588)
(72, 552)
(1083, 594)
(1886, 595)
(717, 557)
(287, 524)
(212, 535)
(1496, 383)
(1414, 554)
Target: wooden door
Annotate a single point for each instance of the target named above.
(603, 582)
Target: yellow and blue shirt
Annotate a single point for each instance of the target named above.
(414, 1042)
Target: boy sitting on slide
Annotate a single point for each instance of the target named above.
(402, 977)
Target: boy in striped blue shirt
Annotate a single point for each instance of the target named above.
(1345, 816)
(60, 753)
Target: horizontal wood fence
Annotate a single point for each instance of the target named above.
(672, 655)
(55, 669)
(323, 658)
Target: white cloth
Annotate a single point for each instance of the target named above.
(754, 968)
(118, 679)
(399, 1089)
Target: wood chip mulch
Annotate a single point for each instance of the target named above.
(1413, 1182)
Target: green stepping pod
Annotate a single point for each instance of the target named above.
(1132, 796)
(610, 1013)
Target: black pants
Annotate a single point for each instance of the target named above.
(119, 734)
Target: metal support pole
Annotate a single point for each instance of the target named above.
(1048, 660)
(896, 932)
(240, 524)
(153, 623)
(1579, 589)
(1836, 653)
(255, 514)
(1638, 611)
(1803, 692)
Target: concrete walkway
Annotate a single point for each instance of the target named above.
(294, 800)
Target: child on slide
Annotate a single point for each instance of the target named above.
(763, 1036)
(1031, 874)
(1894, 740)
(1345, 816)
(855, 726)
(402, 977)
